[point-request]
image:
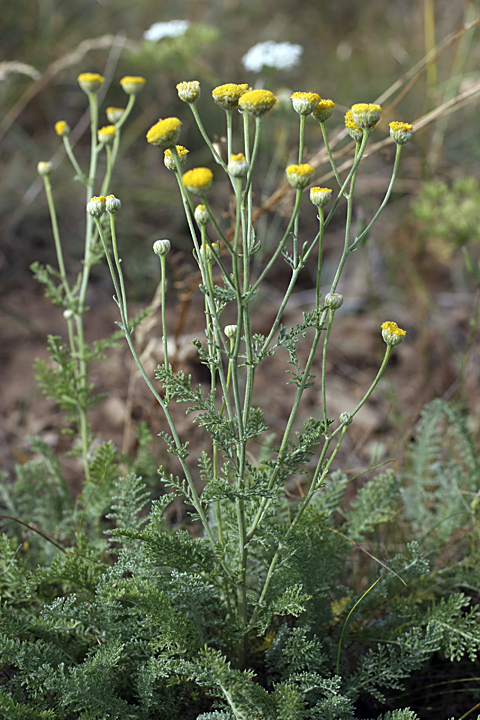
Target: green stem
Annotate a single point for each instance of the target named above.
(56, 237)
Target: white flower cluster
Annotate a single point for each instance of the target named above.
(171, 29)
(278, 55)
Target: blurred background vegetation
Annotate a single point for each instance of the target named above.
(352, 52)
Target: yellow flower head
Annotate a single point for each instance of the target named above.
(392, 334)
(189, 91)
(132, 84)
(320, 196)
(366, 115)
(228, 95)
(165, 133)
(90, 82)
(198, 180)
(238, 165)
(323, 110)
(106, 134)
(299, 175)
(401, 132)
(305, 102)
(112, 204)
(62, 128)
(97, 206)
(257, 102)
(114, 114)
(354, 130)
(169, 160)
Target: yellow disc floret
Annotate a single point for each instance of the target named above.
(228, 95)
(305, 102)
(299, 175)
(165, 133)
(90, 82)
(198, 180)
(392, 334)
(132, 84)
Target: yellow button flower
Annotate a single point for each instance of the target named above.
(114, 114)
(164, 133)
(169, 160)
(228, 95)
(354, 130)
(90, 82)
(189, 91)
(323, 110)
(366, 115)
(305, 102)
(106, 134)
(257, 102)
(132, 84)
(401, 132)
(198, 180)
(320, 196)
(299, 175)
(392, 334)
(62, 128)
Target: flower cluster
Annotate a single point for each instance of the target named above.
(278, 55)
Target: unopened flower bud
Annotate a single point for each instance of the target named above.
(333, 300)
(44, 168)
(97, 205)
(320, 196)
(189, 91)
(68, 314)
(161, 247)
(201, 215)
(206, 251)
(169, 159)
(238, 166)
(230, 331)
(392, 334)
(112, 204)
(345, 418)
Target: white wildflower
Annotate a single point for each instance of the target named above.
(171, 29)
(278, 55)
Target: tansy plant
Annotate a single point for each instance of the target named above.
(248, 615)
